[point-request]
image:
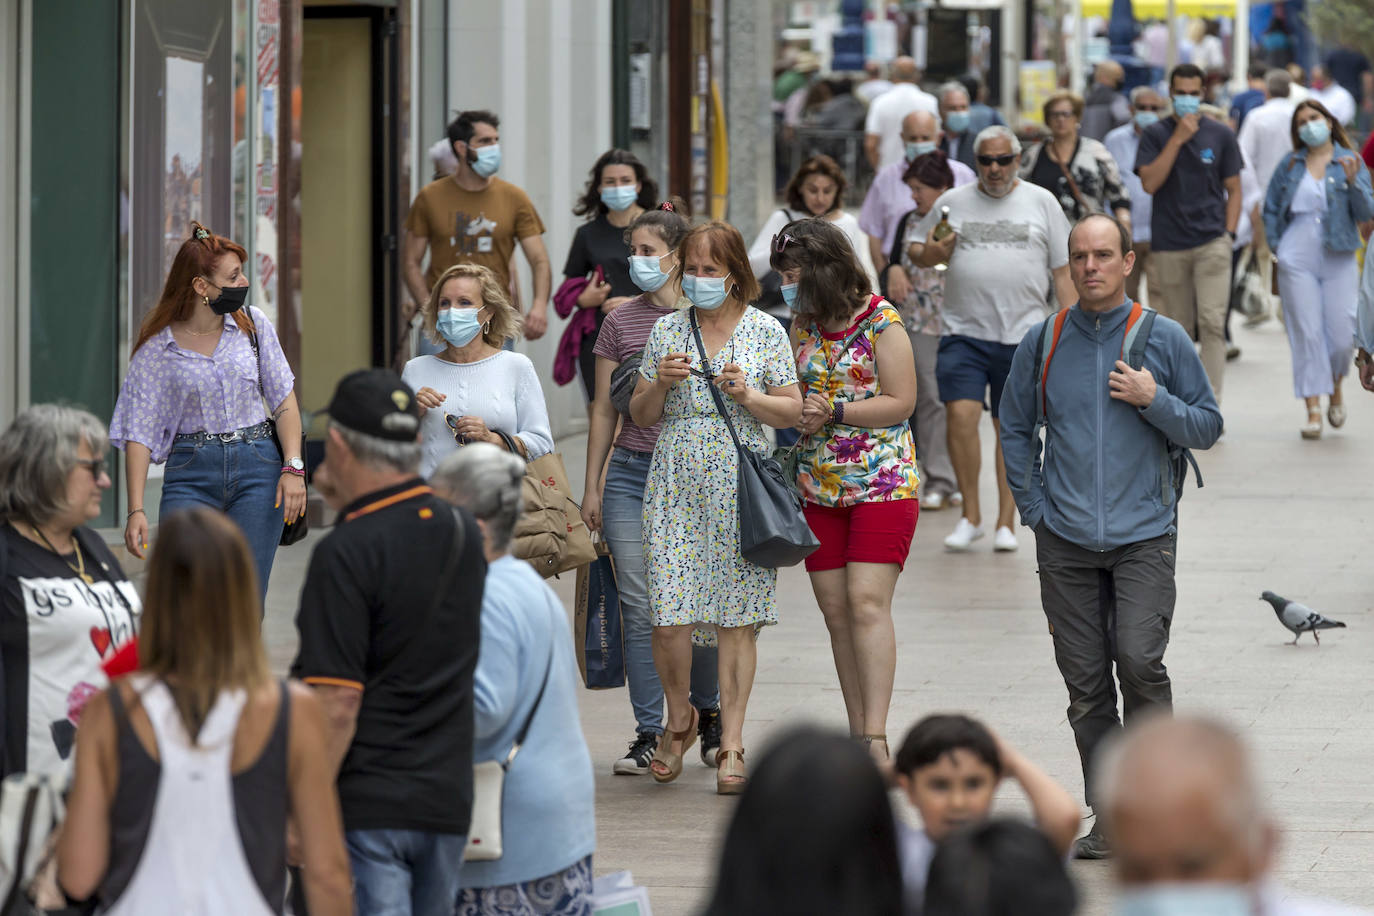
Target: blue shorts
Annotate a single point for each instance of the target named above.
(966, 367)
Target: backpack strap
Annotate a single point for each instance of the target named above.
(1138, 326)
(1050, 331)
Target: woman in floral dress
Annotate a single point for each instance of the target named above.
(696, 573)
(857, 463)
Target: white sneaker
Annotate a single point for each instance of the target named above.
(933, 502)
(1004, 541)
(965, 533)
(956, 499)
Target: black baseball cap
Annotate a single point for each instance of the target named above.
(376, 402)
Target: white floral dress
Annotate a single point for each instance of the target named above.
(691, 517)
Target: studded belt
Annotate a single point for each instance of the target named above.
(247, 434)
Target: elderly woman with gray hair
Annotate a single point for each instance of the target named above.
(65, 604)
(526, 677)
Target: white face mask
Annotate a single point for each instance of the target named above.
(1187, 899)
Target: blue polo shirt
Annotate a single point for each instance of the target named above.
(1190, 207)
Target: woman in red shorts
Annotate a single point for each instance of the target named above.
(856, 460)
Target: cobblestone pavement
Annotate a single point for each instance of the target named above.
(1276, 513)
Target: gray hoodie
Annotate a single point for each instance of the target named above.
(1105, 479)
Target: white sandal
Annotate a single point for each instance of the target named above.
(1335, 415)
(1313, 429)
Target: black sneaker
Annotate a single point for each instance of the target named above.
(708, 730)
(636, 759)
(1092, 845)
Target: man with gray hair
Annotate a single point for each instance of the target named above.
(882, 126)
(1124, 143)
(1184, 813)
(957, 140)
(389, 629)
(1008, 251)
(1264, 137)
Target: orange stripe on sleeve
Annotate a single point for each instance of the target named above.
(333, 682)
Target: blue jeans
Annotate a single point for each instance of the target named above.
(622, 522)
(405, 872)
(237, 478)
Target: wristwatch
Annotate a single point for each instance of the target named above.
(296, 465)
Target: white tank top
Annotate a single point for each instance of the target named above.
(193, 862)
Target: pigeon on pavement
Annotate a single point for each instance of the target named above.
(1299, 618)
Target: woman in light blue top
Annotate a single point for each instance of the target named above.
(548, 825)
(1320, 192)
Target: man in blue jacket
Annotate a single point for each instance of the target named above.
(1101, 502)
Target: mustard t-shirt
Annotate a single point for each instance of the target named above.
(472, 227)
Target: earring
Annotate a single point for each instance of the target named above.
(486, 324)
(205, 299)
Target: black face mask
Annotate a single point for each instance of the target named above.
(230, 299)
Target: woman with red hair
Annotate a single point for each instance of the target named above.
(204, 373)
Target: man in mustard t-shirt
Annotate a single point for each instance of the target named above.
(473, 217)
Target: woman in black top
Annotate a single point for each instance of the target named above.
(618, 190)
(1077, 170)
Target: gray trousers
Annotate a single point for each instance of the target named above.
(1104, 608)
(928, 419)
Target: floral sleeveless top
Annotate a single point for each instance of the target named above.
(843, 465)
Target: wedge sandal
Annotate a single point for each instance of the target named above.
(664, 755)
(731, 775)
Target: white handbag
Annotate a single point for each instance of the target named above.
(489, 786)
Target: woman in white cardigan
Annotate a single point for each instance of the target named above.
(474, 391)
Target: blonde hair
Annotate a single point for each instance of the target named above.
(505, 322)
(201, 631)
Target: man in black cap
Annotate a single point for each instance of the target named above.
(389, 622)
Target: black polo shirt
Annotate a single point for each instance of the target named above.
(1190, 207)
(368, 620)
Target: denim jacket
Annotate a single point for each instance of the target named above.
(1346, 205)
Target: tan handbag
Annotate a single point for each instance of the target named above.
(550, 534)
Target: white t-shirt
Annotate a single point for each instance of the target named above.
(999, 278)
(502, 389)
(761, 252)
(885, 116)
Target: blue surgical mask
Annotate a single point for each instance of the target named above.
(919, 148)
(459, 326)
(1314, 133)
(1144, 119)
(488, 160)
(705, 292)
(647, 272)
(620, 197)
(1185, 105)
(957, 121)
(1186, 899)
(789, 295)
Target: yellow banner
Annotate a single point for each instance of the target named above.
(1158, 9)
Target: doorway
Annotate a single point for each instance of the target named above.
(349, 265)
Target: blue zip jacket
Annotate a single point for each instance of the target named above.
(1347, 203)
(1105, 479)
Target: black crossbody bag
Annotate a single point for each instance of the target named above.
(298, 527)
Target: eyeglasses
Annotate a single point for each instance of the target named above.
(1149, 108)
(782, 240)
(1060, 114)
(705, 372)
(95, 465)
(1006, 160)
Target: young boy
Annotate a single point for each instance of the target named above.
(949, 766)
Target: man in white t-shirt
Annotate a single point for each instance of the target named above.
(1265, 137)
(873, 84)
(883, 126)
(1008, 250)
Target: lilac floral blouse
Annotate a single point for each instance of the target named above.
(168, 391)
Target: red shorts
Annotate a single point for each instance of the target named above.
(876, 532)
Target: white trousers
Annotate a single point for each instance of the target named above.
(1318, 288)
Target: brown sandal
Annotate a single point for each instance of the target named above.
(731, 776)
(663, 755)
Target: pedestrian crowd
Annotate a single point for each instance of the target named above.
(829, 378)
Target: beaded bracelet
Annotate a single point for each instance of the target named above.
(837, 414)
(288, 470)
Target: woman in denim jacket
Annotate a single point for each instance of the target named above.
(1318, 195)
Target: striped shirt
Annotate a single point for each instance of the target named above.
(623, 334)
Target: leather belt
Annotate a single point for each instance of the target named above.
(246, 434)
